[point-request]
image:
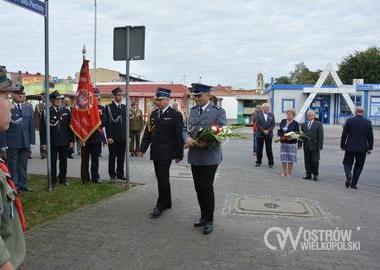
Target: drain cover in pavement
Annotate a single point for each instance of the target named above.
(259, 205)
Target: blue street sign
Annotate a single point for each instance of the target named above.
(32, 5)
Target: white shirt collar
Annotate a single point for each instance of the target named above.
(205, 106)
(164, 109)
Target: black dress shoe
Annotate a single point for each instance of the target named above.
(348, 181)
(208, 228)
(315, 178)
(121, 178)
(257, 164)
(271, 166)
(307, 177)
(156, 213)
(96, 181)
(354, 187)
(199, 223)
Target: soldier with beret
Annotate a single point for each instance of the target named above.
(136, 124)
(115, 114)
(164, 135)
(92, 148)
(61, 136)
(20, 136)
(12, 241)
(204, 157)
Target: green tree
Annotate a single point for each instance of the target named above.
(282, 80)
(361, 65)
(303, 75)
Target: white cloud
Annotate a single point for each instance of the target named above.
(222, 41)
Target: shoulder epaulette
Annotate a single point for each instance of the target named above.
(216, 107)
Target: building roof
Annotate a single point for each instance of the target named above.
(145, 89)
(232, 93)
(360, 87)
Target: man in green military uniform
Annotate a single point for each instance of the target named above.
(12, 241)
(39, 109)
(136, 125)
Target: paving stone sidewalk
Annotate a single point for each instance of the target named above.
(118, 233)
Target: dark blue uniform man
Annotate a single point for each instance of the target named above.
(164, 135)
(92, 149)
(357, 142)
(20, 136)
(61, 136)
(203, 157)
(115, 114)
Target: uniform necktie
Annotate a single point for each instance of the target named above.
(19, 107)
(159, 113)
(200, 111)
(309, 125)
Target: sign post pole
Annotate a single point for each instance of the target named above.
(129, 44)
(127, 47)
(46, 90)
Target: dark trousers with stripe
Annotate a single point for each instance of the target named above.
(116, 154)
(60, 152)
(90, 151)
(204, 186)
(162, 168)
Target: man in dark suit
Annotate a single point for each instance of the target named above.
(357, 142)
(115, 114)
(20, 136)
(265, 123)
(92, 148)
(312, 145)
(164, 135)
(61, 136)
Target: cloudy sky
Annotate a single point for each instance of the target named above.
(223, 42)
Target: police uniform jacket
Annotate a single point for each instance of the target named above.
(60, 131)
(21, 133)
(98, 135)
(116, 122)
(212, 115)
(164, 134)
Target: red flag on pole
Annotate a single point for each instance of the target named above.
(85, 118)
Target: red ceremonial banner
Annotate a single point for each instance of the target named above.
(85, 117)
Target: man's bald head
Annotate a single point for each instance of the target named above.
(265, 107)
(359, 110)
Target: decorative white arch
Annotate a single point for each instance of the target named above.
(344, 90)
